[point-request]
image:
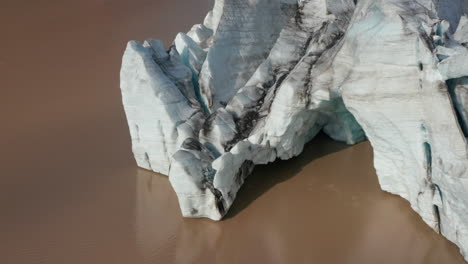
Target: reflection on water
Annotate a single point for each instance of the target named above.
(322, 207)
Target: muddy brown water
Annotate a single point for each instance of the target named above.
(70, 191)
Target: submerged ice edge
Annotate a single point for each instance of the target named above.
(257, 81)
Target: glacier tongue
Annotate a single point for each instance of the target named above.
(260, 78)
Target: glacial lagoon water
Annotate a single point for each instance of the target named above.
(70, 191)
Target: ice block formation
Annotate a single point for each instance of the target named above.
(260, 78)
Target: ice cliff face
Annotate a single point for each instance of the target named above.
(260, 78)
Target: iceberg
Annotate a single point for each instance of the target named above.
(260, 78)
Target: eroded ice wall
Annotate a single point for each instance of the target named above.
(396, 88)
(159, 101)
(285, 103)
(246, 31)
